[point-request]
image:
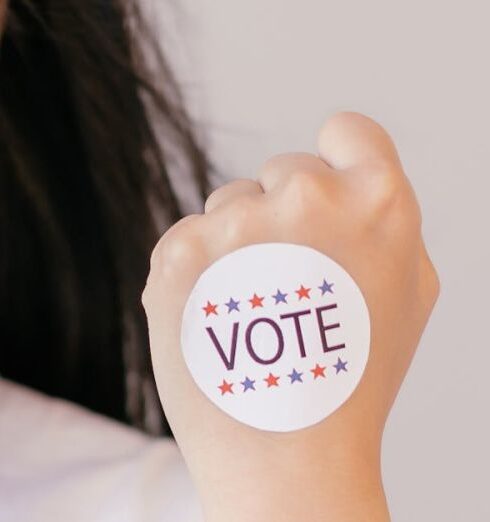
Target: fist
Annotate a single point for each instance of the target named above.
(353, 202)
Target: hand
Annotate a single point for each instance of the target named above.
(354, 203)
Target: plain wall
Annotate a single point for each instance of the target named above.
(262, 75)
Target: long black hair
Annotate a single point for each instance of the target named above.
(82, 170)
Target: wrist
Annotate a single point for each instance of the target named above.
(292, 478)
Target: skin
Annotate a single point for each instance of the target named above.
(354, 203)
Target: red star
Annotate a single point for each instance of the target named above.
(318, 371)
(271, 380)
(303, 292)
(210, 309)
(256, 301)
(225, 387)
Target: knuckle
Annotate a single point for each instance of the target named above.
(280, 167)
(385, 187)
(383, 192)
(229, 192)
(303, 185)
(385, 196)
(209, 202)
(174, 247)
(240, 214)
(305, 195)
(386, 201)
(278, 161)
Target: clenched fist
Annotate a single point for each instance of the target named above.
(354, 203)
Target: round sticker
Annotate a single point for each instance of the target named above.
(276, 335)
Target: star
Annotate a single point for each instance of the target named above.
(326, 287)
(232, 305)
(271, 380)
(295, 376)
(303, 292)
(256, 301)
(225, 387)
(280, 297)
(318, 371)
(210, 309)
(340, 365)
(248, 384)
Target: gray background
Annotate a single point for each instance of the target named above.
(262, 75)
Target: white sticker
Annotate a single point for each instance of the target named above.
(276, 335)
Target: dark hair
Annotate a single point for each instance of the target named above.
(80, 167)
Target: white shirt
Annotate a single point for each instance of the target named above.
(61, 462)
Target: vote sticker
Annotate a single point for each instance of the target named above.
(276, 335)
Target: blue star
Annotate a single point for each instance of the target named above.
(340, 365)
(295, 376)
(326, 287)
(232, 305)
(248, 384)
(280, 297)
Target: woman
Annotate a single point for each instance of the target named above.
(82, 172)
(79, 164)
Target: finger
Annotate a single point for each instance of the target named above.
(230, 191)
(350, 139)
(278, 169)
